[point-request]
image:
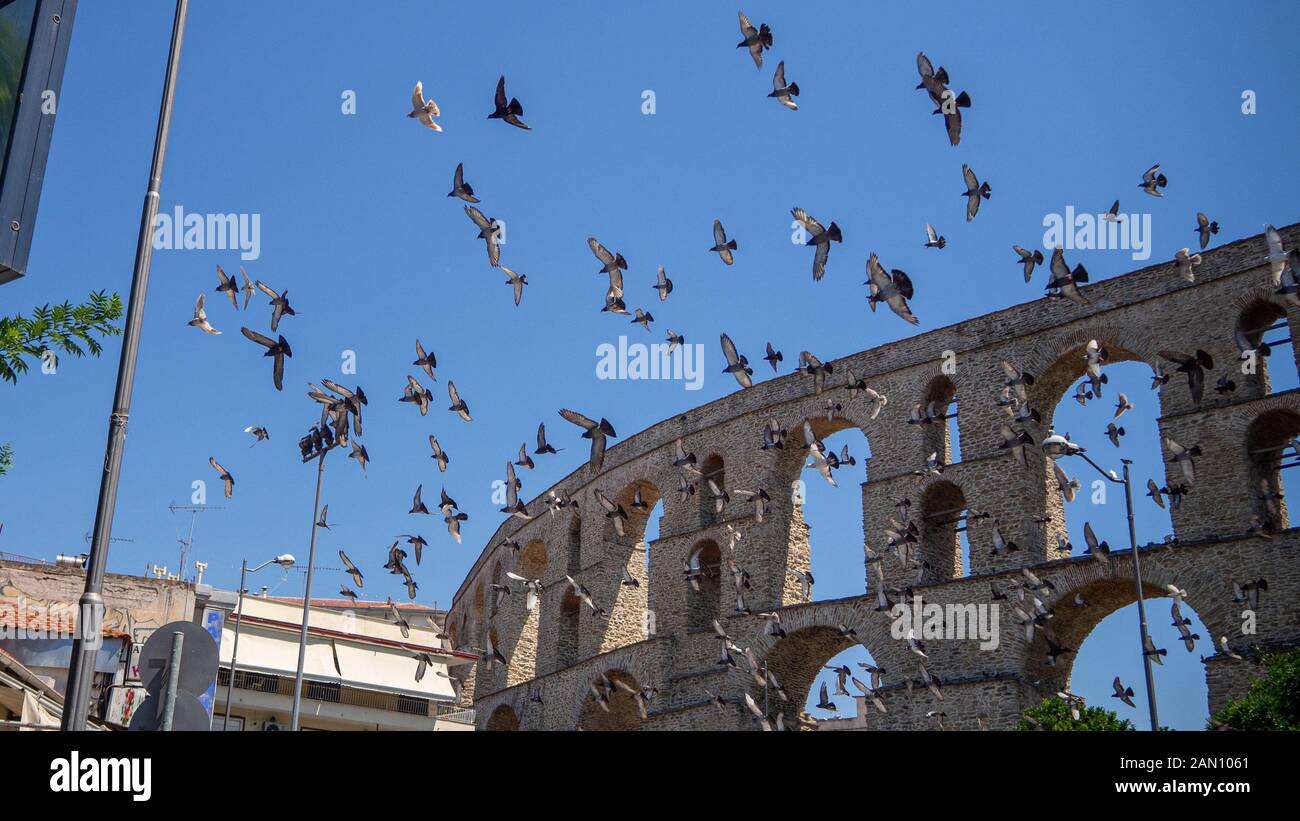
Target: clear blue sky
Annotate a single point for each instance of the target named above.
(1071, 104)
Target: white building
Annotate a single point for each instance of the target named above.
(359, 672)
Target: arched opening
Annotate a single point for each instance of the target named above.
(799, 661)
(1271, 446)
(1104, 637)
(1098, 501)
(940, 406)
(619, 712)
(828, 519)
(852, 710)
(712, 469)
(942, 525)
(704, 604)
(566, 634)
(503, 719)
(1263, 326)
(532, 565)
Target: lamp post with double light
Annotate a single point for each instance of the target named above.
(285, 560)
(1056, 445)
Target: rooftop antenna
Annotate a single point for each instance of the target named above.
(188, 541)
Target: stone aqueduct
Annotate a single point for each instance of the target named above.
(555, 651)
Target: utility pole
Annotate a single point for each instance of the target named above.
(81, 672)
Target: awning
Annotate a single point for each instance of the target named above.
(372, 667)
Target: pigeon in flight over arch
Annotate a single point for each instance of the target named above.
(756, 39)
(597, 432)
(782, 91)
(1064, 282)
(278, 349)
(1195, 368)
(1028, 259)
(663, 285)
(1205, 227)
(200, 319)
(458, 405)
(893, 288)
(509, 111)
(224, 475)
(820, 237)
(459, 188)
(279, 302)
(1153, 181)
(422, 109)
(489, 230)
(737, 365)
(975, 190)
(721, 245)
(226, 284)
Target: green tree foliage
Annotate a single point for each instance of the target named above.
(6, 457)
(65, 328)
(1272, 703)
(1054, 714)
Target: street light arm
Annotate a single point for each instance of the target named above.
(1110, 477)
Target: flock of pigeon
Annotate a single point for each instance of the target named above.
(341, 408)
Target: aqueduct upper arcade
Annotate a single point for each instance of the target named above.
(659, 632)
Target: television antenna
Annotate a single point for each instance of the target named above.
(188, 542)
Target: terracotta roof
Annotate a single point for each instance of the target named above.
(46, 621)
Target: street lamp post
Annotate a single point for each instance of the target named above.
(81, 667)
(285, 560)
(306, 595)
(1055, 445)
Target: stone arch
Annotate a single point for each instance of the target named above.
(1257, 310)
(940, 513)
(623, 713)
(1268, 438)
(1108, 587)
(940, 436)
(1040, 497)
(1057, 364)
(812, 638)
(704, 605)
(503, 718)
(787, 482)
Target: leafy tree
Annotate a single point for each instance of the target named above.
(1054, 714)
(63, 328)
(6, 457)
(1272, 703)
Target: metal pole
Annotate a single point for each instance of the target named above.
(306, 597)
(1142, 611)
(234, 651)
(82, 665)
(173, 682)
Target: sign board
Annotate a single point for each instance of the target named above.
(34, 37)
